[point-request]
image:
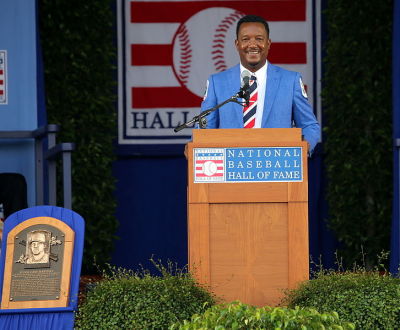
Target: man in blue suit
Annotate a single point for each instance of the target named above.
(282, 101)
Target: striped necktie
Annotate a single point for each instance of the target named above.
(249, 112)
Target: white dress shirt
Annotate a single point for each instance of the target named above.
(261, 76)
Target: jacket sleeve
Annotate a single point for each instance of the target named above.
(303, 114)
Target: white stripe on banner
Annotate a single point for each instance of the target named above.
(151, 33)
(143, 76)
(163, 33)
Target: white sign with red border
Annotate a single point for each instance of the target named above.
(3, 77)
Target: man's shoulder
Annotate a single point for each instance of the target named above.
(282, 71)
(226, 74)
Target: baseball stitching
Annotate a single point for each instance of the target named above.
(186, 54)
(218, 44)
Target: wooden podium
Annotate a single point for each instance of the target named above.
(247, 241)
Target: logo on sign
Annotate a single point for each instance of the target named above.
(209, 165)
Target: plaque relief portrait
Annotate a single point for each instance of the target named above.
(38, 247)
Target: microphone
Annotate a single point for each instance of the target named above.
(243, 93)
(245, 79)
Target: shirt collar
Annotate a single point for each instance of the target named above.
(260, 73)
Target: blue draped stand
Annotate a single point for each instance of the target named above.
(45, 318)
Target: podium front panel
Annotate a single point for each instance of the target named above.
(248, 241)
(249, 250)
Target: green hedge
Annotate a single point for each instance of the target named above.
(129, 300)
(241, 316)
(369, 300)
(78, 55)
(356, 100)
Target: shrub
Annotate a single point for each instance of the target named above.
(138, 300)
(241, 316)
(368, 299)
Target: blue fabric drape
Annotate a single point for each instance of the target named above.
(52, 319)
(323, 242)
(45, 318)
(395, 241)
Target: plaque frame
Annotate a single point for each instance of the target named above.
(69, 238)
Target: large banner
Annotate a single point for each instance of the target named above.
(167, 50)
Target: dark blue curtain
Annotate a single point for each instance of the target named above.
(395, 242)
(151, 194)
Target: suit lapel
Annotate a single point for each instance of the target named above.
(271, 88)
(234, 86)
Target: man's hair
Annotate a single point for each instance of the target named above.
(251, 19)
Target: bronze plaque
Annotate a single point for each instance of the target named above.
(37, 264)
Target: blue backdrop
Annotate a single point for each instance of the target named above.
(151, 193)
(24, 109)
(395, 244)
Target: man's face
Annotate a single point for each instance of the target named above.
(252, 45)
(37, 243)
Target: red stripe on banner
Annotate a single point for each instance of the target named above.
(1, 82)
(1, 92)
(151, 54)
(210, 176)
(280, 53)
(1, 71)
(288, 53)
(279, 10)
(164, 97)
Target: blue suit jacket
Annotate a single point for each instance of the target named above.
(284, 102)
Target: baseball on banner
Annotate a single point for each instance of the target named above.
(204, 45)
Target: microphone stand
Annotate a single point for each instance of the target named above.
(201, 118)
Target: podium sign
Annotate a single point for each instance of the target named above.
(261, 164)
(248, 212)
